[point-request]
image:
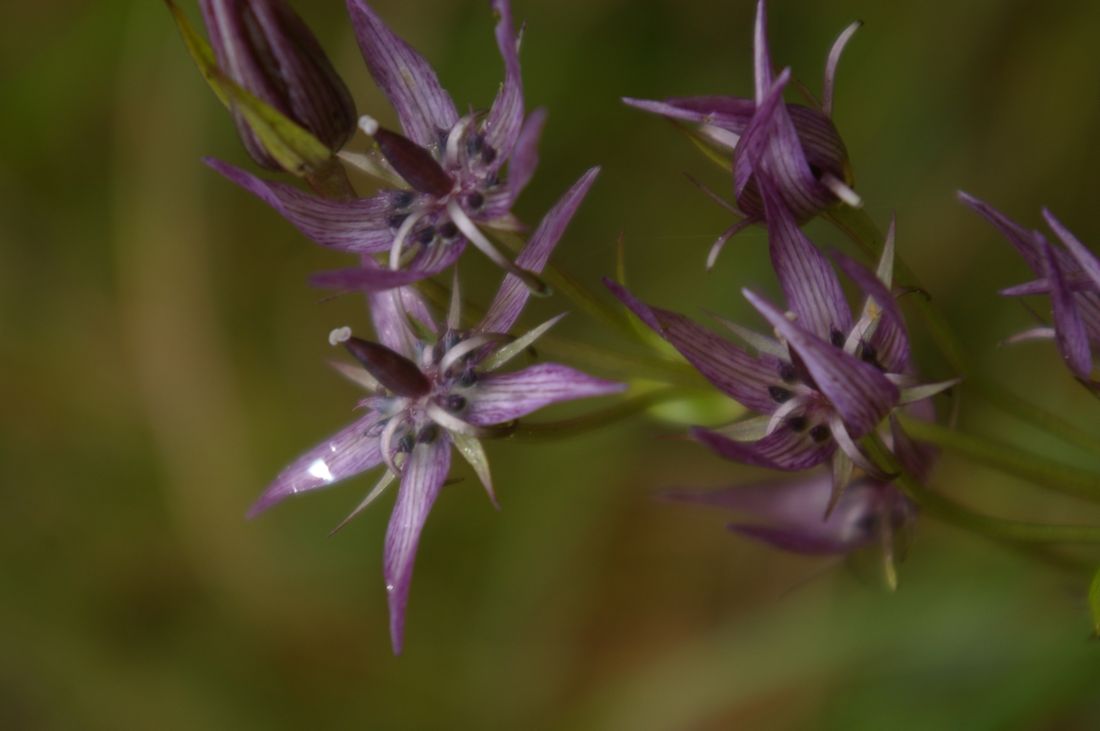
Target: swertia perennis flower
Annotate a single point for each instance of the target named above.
(1072, 279)
(450, 168)
(797, 145)
(429, 394)
(825, 382)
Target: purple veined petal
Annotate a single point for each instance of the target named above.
(391, 311)
(889, 340)
(345, 454)
(376, 279)
(500, 398)
(783, 449)
(424, 475)
(761, 54)
(1024, 240)
(831, 64)
(502, 125)
(755, 139)
(1069, 330)
(1075, 282)
(812, 288)
(728, 112)
(359, 225)
(859, 392)
(525, 154)
(742, 377)
(407, 79)
(1086, 260)
(513, 293)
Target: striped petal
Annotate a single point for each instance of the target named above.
(740, 376)
(783, 449)
(808, 280)
(728, 112)
(1069, 330)
(408, 81)
(506, 115)
(373, 279)
(513, 293)
(424, 475)
(360, 225)
(889, 339)
(1086, 260)
(1024, 240)
(498, 399)
(350, 451)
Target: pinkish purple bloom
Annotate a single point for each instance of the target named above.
(447, 176)
(824, 382)
(266, 48)
(797, 146)
(1069, 275)
(787, 514)
(429, 395)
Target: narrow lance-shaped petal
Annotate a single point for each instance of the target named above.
(407, 79)
(424, 475)
(513, 293)
(808, 280)
(1070, 332)
(500, 398)
(506, 114)
(347, 453)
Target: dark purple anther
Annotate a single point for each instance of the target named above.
(393, 370)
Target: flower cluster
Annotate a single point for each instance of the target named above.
(829, 387)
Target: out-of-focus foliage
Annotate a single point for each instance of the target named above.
(163, 357)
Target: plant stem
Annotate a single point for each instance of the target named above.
(1007, 458)
(1031, 538)
(626, 408)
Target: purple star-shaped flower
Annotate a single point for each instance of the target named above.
(445, 174)
(825, 382)
(1071, 276)
(429, 395)
(797, 146)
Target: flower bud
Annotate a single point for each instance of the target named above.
(393, 370)
(266, 48)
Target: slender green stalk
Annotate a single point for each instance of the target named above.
(1032, 538)
(574, 291)
(628, 407)
(1008, 458)
(1011, 403)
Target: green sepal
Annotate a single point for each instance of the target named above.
(289, 144)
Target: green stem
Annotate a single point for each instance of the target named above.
(1007, 458)
(1034, 539)
(1010, 403)
(573, 290)
(628, 407)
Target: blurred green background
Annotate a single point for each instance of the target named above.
(163, 358)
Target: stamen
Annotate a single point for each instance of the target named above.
(455, 137)
(450, 422)
(460, 351)
(339, 335)
(386, 443)
(841, 190)
(779, 394)
(780, 415)
(399, 239)
(479, 240)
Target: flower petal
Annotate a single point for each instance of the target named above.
(1086, 260)
(1069, 330)
(808, 280)
(831, 64)
(506, 115)
(359, 225)
(350, 451)
(761, 54)
(409, 81)
(783, 449)
(513, 293)
(525, 155)
(740, 376)
(1024, 240)
(371, 279)
(424, 475)
(859, 392)
(728, 112)
(500, 398)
